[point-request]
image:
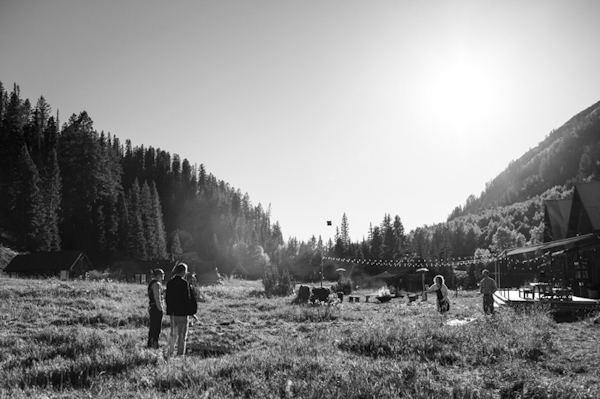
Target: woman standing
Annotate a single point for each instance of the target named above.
(443, 302)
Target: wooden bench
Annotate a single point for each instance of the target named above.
(354, 298)
(367, 296)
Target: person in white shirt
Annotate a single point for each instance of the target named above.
(439, 287)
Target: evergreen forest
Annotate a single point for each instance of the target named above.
(70, 187)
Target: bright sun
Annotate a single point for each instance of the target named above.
(461, 95)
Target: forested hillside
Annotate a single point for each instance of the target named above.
(567, 155)
(509, 212)
(72, 187)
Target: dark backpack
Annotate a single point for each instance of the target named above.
(191, 305)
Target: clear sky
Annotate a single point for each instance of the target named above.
(320, 107)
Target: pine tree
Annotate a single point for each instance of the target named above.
(389, 240)
(400, 247)
(36, 129)
(11, 145)
(109, 181)
(345, 235)
(339, 244)
(52, 185)
(160, 244)
(175, 249)
(148, 220)
(376, 243)
(28, 208)
(136, 238)
(82, 178)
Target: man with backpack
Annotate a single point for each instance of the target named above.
(181, 303)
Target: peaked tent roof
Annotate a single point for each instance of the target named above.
(585, 211)
(556, 218)
(48, 261)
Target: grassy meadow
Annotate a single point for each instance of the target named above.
(86, 339)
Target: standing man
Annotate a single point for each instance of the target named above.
(156, 306)
(181, 303)
(487, 286)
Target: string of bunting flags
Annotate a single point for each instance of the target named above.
(537, 261)
(467, 260)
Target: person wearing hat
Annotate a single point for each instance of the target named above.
(181, 303)
(156, 306)
(487, 287)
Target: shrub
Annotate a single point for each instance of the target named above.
(343, 285)
(106, 275)
(277, 283)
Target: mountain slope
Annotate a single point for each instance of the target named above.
(510, 211)
(567, 155)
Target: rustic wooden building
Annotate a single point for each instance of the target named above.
(63, 264)
(570, 253)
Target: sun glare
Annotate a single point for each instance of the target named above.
(460, 96)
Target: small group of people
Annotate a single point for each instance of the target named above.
(178, 300)
(487, 287)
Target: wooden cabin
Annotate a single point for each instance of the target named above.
(63, 264)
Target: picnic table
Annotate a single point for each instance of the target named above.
(541, 288)
(532, 288)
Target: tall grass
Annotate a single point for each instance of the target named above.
(87, 339)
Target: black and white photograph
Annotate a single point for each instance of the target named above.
(300, 199)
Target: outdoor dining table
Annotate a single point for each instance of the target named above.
(540, 288)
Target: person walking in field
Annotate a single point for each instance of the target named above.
(487, 287)
(439, 287)
(181, 303)
(156, 306)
